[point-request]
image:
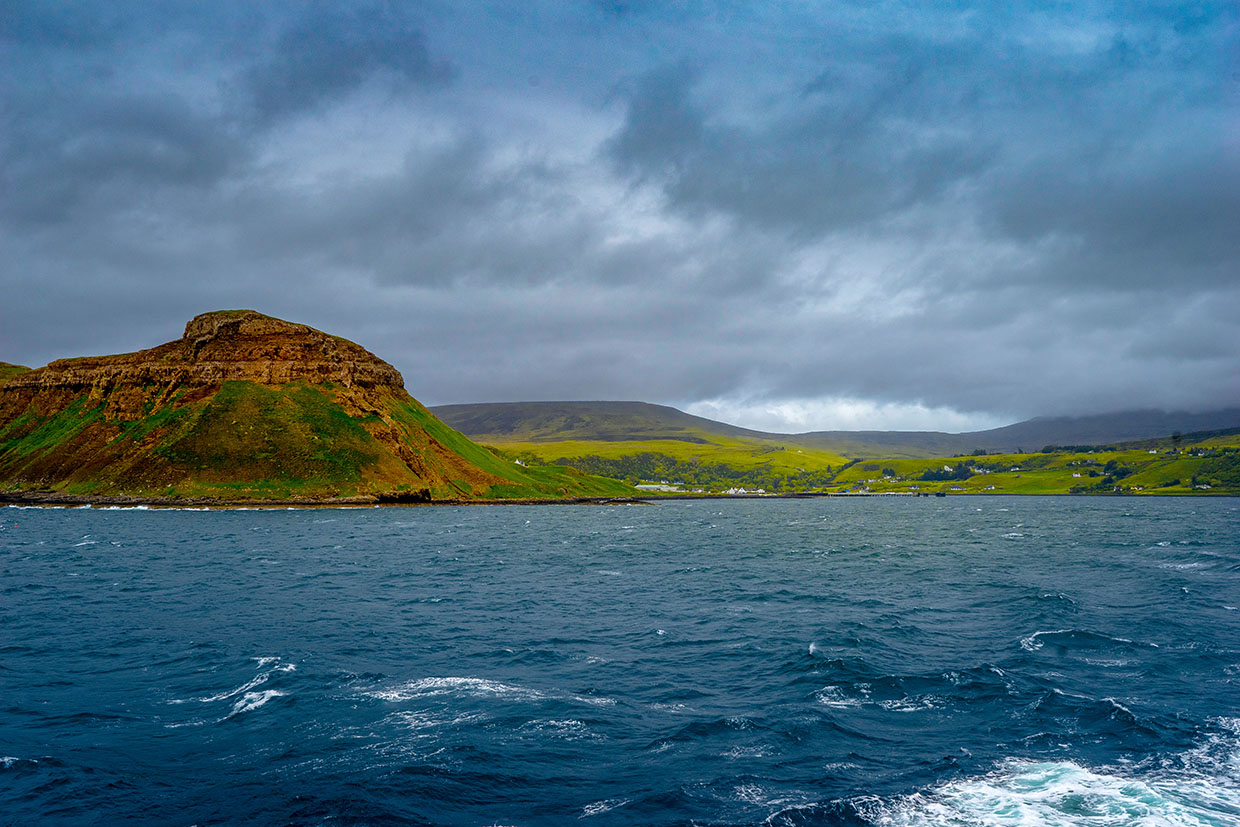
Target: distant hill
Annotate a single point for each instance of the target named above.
(1102, 429)
(247, 407)
(672, 450)
(561, 421)
(543, 422)
(639, 441)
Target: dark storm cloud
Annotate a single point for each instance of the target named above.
(328, 52)
(798, 213)
(99, 153)
(1113, 144)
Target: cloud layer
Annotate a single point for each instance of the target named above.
(814, 215)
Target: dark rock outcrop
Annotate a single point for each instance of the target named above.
(218, 347)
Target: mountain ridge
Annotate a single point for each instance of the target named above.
(622, 421)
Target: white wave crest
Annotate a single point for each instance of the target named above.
(432, 687)
(252, 683)
(253, 700)
(913, 703)
(1064, 794)
(599, 807)
(1034, 642)
(570, 730)
(478, 688)
(836, 698)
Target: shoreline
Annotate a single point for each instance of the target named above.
(53, 499)
(48, 498)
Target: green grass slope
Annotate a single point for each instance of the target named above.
(246, 441)
(7, 371)
(1204, 468)
(643, 443)
(638, 441)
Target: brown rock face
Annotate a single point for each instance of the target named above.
(223, 346)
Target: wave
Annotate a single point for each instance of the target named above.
(852, 684)
(1079, 639)
(257, 680)
(1198, 788)
(477, 688)
(599, 807)
(253, 700)
(248, 696)
(9, 762)
(1063, 793)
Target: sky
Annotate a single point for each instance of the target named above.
(786, 215)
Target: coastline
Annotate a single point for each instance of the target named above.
(53, 499)
(49, 498)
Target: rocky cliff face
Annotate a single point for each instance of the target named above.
(224, 346)
(244, 407)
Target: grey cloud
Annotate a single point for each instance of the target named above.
(62, 25)
(826, 167)
(331, 51)
(993, 210)
(111, 151)
(1164, 223)
(1105, 164)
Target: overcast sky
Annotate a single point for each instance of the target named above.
(786, 215)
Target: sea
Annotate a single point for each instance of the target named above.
(789, 662)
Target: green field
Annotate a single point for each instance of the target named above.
(655, 444)
(717, 464)
(1175, 471)
(705, 461)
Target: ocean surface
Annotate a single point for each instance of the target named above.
(885, 661)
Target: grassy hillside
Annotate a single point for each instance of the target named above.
(515, 423)
(711, 461)
(655, 444)
(7, 370)
(249, 441)
(1207, 467)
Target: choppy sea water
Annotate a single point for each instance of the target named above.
(960, 661)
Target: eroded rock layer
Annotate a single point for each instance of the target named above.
(224, 346)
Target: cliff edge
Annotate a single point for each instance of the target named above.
(247, 407)
(224, 346)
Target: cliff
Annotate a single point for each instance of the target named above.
(245, 406)
(224, 346)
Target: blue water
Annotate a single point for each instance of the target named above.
(959, 661)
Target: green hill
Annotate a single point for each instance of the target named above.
(596, 421)
(654, 443)
(245, 407)
(530, 422)
(639, 441)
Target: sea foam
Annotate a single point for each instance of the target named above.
(1065, 794)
